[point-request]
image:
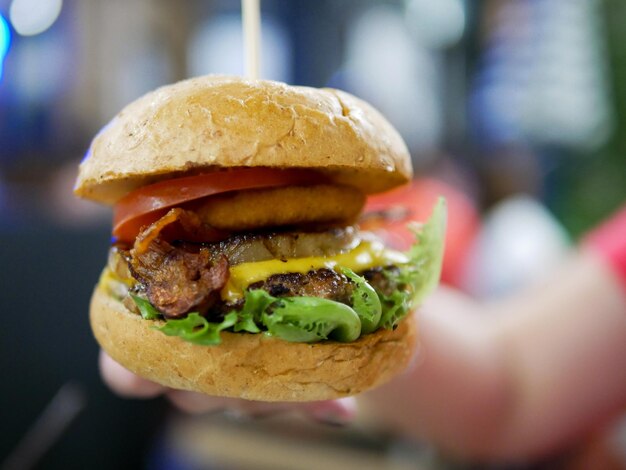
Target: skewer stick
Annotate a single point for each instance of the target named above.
(252, 37)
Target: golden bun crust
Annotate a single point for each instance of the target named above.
(216, 122)
(253, 367)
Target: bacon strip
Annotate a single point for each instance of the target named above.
(178, 281)
(177, 223)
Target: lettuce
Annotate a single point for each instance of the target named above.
(420, 275)
(194, 328)
(310, 319)
(423, 270)
(250, 315)
(426, 256)
(299, 319)
(395, 307)
(147, 310)
(365, 302)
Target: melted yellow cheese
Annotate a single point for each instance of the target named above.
(109, 276)
(367, 254)
(115, 285)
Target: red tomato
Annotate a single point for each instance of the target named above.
(147, 204)
(388, 214)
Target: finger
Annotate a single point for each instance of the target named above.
(193, 402)
(340, 411)
(125, 383)
(335, 412)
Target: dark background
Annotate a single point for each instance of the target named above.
(46, 344)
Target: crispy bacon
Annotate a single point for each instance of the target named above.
(177, 223)
(177, 281)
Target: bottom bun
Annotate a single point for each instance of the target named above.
(251, 366)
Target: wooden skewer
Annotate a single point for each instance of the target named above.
(251, 15)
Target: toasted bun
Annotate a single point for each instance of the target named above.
(216, 122)
(251, 366)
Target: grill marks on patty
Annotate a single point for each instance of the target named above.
(324, 283)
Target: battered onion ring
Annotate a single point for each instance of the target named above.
(285, 206)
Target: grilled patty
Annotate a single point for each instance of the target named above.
(178, 278)
(324, 283)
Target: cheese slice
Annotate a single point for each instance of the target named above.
(368, 254)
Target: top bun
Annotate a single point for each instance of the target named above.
(217, 122)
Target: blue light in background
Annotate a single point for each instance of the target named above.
(5, 41)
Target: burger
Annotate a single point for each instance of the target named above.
(237, 267)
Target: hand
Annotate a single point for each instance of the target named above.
(128, 385)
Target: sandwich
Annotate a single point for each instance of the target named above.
(237, 267)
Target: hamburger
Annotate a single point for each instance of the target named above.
(237, 267)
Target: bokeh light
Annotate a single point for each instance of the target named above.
(5, 41)
(438, 24)
(30, 17)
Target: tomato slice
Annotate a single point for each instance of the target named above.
(148, 203)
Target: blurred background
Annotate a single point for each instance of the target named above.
(514, 109)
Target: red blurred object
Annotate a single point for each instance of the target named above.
(609, 241)
(387, 215)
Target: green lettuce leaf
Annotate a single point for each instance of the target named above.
(395, 307)
(255, 303)
(300, 319)
(365, 302)
(417, 278)
(310, 319)
(426, 256)
(194, 328)
(148, 312)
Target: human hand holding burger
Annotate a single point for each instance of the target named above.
(237, 269)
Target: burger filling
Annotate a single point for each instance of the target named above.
(297, 284)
